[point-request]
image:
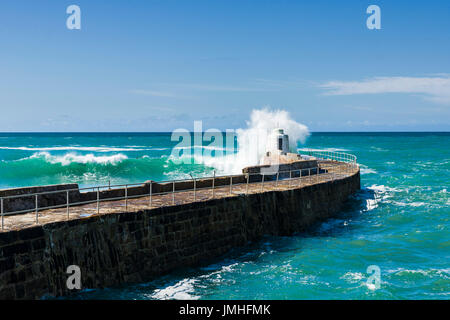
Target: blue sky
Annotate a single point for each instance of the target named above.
(160, 65)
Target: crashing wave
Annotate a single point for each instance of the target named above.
(69, 158)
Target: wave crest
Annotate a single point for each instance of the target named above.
(69, 158)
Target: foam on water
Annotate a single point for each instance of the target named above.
(69, 158)
(182, 290)
(365, 170)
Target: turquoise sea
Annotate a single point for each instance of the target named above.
(399, 221)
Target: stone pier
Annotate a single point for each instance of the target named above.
(132, 241)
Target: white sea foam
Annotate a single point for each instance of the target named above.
(69, 158)
(185, 289)
(367, 170)
(380, 193)
(182, 290)
(252, 140)
(353, 277)
(432, 272)
(382, 189)
(378, 149)
(371, 286)
(409, 204)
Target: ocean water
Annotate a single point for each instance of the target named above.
(398, 222)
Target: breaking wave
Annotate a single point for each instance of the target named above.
(251, 142)
(69, 158)
(92, 169)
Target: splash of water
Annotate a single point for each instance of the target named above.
(253, 139)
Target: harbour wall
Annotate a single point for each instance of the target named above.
(132, 247)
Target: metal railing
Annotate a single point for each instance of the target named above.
(342, 164)
(332, 155)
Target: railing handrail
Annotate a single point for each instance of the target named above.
(333, 155)
(344, 158)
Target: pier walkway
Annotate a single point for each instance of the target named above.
(328, 170)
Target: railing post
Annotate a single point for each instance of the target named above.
(213, 183)
(126, 198)
(36, 206)
(262, 183)
(309, 175)
(150, 196)
(67, 204)
(173, 192)
(290, 178)
(195, 190)
(1, 208)
(231, 184)
(98, 200)
(278, 174)
(248, 177)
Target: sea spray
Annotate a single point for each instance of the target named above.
(251, 142)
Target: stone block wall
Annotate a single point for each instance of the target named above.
(57, 197)
(133, 247)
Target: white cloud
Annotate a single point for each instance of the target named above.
(436, 89)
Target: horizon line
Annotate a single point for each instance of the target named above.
(223, 131)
